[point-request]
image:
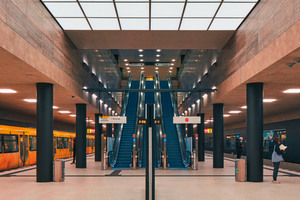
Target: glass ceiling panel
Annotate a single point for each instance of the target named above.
(235, 9)
(201, 9)
(195, 24)
(104, 24)
(166, 9)
(165, 14)
(165, 24)
(225, 24)
(73, 23)
(99, 9)
(134, 24)
(64, 9)
(133, 9)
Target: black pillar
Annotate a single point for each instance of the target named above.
(80, 135)
(190, 130)
(183, 130)
(108, 130)
(98, 132)
(255, 132)
(44, 109)
(201, 138)
(218, 136)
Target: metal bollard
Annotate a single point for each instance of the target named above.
(195, 161)
(59, 170)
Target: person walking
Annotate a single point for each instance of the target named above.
(239, 147)
(74, 151)
(277, 158)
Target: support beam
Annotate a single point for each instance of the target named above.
(108, 130)
(80, 135)
(44, 109)
(200, 131)
(98, 132)
(255, 132)
(218, 136)
(190, 131)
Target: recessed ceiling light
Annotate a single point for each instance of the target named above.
(105, 105)
(158, 50)
(171, 67)
(269, 100)
(292, 91)
(156, 71)
(140, 50)
(204, 96)
(101, 101)
(214, 87)
(30, 100)
(126, 64)
(141, 55)
(157, 55)
(235, 112)
(142, 67)
(172, 64)
(84, 87)
(157, 60)
(99, 55)
(156, 67)
(64, 111)
(244, 107)
(170, 71)
(55, 107)
(101, 60)
(206, 122)
(72, 115)
(198, 101)
(125, 60)
(127, 68)
(7, 91)
(226, 115)
(94, 95)
(173, 60)
(142, 60)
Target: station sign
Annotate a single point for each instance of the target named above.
(112, 120)
(90, 130)
(208, 130)
(187, 120)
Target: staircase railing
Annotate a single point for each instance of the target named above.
(114, 154)
(185, 154)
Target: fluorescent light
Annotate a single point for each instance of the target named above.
(72, 115)
(101, 101)
(235, 112)
(269, 100)
(157, 55)
(204, 96)
(125, 60)
(225, 24)
(206, 122)
(127, 68)
(201, 9)
(142, 60)
(141, 55)
(244, 107)
(157, 60)
(99, 9)
(198, 101)
(7, 91)
(127, 64)
(133, 9)
(235, 9)
(214, 87)
(64, 111)
(165, 23)
(55, 107)
(226, 115)
(73, 23)
(158, 50)
(134, 24)
(30, 100)
(171, 67)
(94, 95)
(166, 9)
(156, 67)
(105, 105)
(64, 9)
(173, 60)
(140, 50)
(104, 23)
(289, 91)
(170, 71)
(142, 67)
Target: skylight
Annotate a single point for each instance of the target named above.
(142, 15)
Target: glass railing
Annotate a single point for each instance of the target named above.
(158, 114)
(139, 131)
(113, 155)
(183, 147)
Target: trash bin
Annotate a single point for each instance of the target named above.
(240, 170)
(105, 160)
(59, 170)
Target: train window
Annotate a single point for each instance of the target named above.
(60, 144)
(268, 139)
(231, 141)
(1, 144)
(66, 141)
(32, 140)
(11, 143)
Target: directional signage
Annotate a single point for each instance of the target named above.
(112, 120)
(208, 130)
(187, 120)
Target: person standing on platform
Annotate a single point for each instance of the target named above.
(74, 151)
(239, 147)
(277, 157)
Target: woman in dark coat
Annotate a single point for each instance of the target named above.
(276, 164)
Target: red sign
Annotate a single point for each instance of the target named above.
(208, 130)
(186, 119)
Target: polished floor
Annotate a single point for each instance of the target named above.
(93, 183)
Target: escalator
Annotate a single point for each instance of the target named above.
(176, 148)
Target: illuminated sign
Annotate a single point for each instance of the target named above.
(90, 130)
(186, 120)
(208, 130)
(142, 121)
(112, 120)
(157, 121)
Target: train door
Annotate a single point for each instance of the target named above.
(54, 147)
(70, 147)
(24, 151)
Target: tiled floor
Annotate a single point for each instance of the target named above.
(91, 183)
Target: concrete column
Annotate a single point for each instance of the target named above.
(255, 132)
(98, 132)
(80, 135)
(218, 136)
(190, 130)
(108, 130)
(44, 109)
(201, 138)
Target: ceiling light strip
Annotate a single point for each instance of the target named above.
(182, 14)
(212, 20)
(84, 15)
(115, 6)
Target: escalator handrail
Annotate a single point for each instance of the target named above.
(120, 127)
(182, 143)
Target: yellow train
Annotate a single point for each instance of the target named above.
(18, 146)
